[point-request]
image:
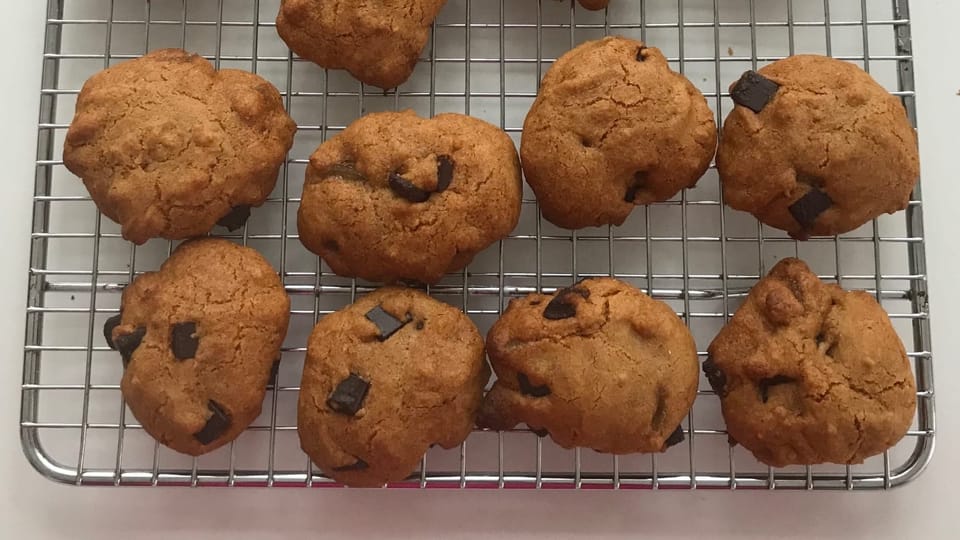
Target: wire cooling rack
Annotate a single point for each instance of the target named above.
(486, 58)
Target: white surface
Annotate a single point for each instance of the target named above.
(35, 508)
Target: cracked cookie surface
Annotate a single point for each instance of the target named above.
(829, 150)
(613, 127)
(809, 373)
(377, 42)
(597, 365)
(199, 339)
(384, 379)
(398, 197)
(168, 147)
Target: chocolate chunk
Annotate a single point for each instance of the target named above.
(184, 340)
(809, 207)
(765, 385)
(108, 327)
(540, 432)
(387, 324)
(639, 182)
(127, 343)
(640, 57)
(754, 91)
(217, 424)
(561, 307)
(716, 377)
(406, 189)
(348, 397)
(675, 438)
(359, 465)
(345, 170)
(528, 389)
(236, 219)
(444, 172)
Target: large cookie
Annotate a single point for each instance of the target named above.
(599, 365)
(384, 379)
(809, 373)
(399, 197)
(168, 147)
(613, 127)
(199, 339)
(815, 146)
(377, 42)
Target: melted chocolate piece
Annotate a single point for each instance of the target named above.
(127, 343)
(347, 398)
(809, 207)
(528, 389)
(561, 307)
(108, 327)
(184, 341)
(444, 172)
(236, 219)
(716, 377)
(216, 426)
(406, 189)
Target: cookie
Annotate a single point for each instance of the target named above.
(199, 339)
(809, 373)
(598, 365)
(377, 42)
(613, 127)
(169, 147)
(397, 197)
(384, 379)
(815, 146)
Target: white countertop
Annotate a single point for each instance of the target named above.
(32, 507)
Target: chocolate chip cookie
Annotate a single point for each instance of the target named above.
(397, 197)
(384, 379)
(815, 146)
(613, 127)
(377, 42)
(809, 373)
(598, 364)
(168, 147)
(199, 339)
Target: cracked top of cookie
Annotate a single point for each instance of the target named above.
(598, 364)
(612, 127)
(167, 146)
(815, 146)
(809, 373)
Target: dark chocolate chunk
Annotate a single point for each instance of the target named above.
(184, 340)
(348, 397)
(127, 343)
(217, 424)
(345, 170)
(640, 57)
(561, 307)
(359, 465)
(406, 189)
(809, 207)
(387, 324)
(108, 327)
(765, 385)
(444, 172)
(754, 91)
(716, 377)
(528, 389)
(236, 219)
(675, 438)
(639, 182)
(540, 432)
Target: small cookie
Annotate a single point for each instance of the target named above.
(384, 379)
(599, 365)
(809, 373)
(377, 42)
(199, 339)
(169, 147)
(815, 146)
(613, 127)
(397, 197)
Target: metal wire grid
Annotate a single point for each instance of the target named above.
(486, 59)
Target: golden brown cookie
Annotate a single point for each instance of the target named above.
(397, 197)
(199, 339)
(809, 373)
(168, 147)
(815, 146)
(377, 42)
(384, 379)
(599, 365)
(613, 127)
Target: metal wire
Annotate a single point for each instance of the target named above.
(484, 58)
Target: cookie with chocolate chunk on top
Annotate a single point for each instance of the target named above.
(199, 340)
(384, 379)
